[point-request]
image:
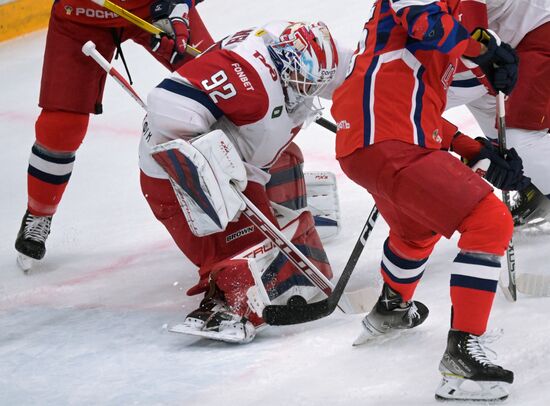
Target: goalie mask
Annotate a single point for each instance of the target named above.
(306, 58)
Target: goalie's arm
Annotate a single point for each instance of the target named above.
(176, 110)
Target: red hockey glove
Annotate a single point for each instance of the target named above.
(171, 17)
(499, 62)
(504, 173)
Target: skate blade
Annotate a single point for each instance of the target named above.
(532, 284)
(371, 335)
(211, 335)
(453, 388)
(24, 262)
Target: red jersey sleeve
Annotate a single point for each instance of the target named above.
(434, 25)
(463, 145)
(231, 82)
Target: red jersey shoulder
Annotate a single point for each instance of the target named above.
(231, 82)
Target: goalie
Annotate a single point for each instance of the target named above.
(214, 128)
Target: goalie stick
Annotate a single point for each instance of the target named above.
(295, 313)
(508, 286)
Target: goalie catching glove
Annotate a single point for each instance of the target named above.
(204, 175)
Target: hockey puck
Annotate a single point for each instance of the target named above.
(297, 301)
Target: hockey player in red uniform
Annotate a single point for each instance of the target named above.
(221, 122)
(390, 140)
(525, 25)
(72, 89)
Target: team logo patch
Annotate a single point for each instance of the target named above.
(277, 111)
(68, 10)
(437, 138)
(238, 234)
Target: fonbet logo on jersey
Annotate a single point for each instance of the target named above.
(242, 76)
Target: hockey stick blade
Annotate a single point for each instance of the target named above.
(280, 315)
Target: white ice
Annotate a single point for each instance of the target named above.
(85, 327)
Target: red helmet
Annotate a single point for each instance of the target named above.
(306, 57)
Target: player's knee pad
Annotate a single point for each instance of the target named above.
(488, 228)
(287, 186)
(61, 131)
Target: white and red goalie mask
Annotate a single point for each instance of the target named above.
(306, 57)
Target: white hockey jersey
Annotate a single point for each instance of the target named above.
(236, 87)
(511, 20)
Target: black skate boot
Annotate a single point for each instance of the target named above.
(468, 374)
(31, 239)
(531, 206)
(391, 314)
(215, 320)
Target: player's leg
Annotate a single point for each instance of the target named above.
(71, 89)
(406, 251)
(485, 234)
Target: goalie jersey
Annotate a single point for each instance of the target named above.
(233, 86)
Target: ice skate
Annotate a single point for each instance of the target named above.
(468, 374)
(531, 208)
(391, 315)
(215, 320)
(31, 239)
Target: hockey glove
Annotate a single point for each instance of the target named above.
(504, 173)
(499, 62)
(172, 17)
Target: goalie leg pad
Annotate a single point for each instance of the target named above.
(263, 262)
(323, 203)
(286, 186)
(281, 279)
(203, 174)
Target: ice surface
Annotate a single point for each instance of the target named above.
(85, 327)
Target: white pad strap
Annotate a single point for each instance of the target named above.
(322, 201)
(203, 174)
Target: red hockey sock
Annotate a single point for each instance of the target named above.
(474, 277)
(403, 273)
(474, 282)
(58, 135)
